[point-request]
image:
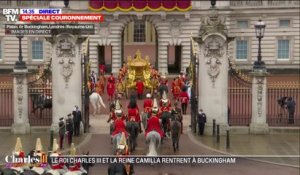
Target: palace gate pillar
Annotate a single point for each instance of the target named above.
(213, 71)
(258, 123)
(66, 75)
(20, 91)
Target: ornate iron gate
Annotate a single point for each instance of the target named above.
(277, 95)
(40, 98)
(239, 98)
(6, 104)
(85, 72)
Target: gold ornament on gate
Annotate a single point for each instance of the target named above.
(138, 68)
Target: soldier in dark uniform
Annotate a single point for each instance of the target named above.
(62, 132)
(76, 119)
(176, 112)
(290, 105)
(201, 121)
(70, 128)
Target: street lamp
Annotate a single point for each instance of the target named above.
(20, 64)
(66, 2)
(259, 31)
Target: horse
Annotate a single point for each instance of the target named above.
(175, 133)
(41, 101)
(96, 101)
(116, 141)
(145, 117)
(153, 138)
(132, 128)
(165, 117)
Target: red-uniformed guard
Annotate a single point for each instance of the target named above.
(111, 78)
(148, 104)
(154, 123)
(134, 112)
(59, 165)
(184, 99)
(140, 89)
(110, 90)
(177, 89)
(119, 123)
(165, 103)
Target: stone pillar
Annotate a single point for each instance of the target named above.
(66, 75)
(213, 70)
(213, 80)
(21, 122)
(259, 104)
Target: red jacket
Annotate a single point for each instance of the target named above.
(102, 68)
(134, 112)
(161, 103)
(184, 97)
(110, 88)
(148, 104)
(177, 90)
(153, 124)
(140, 87)
(75, 167)
(119, 128)
(111, 79)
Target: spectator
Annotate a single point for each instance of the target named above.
(290, 105)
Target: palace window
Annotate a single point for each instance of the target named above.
(37, 50)
(242, 24)
(283, 49)
(139, 31)
(24, 3)
(5, 2)
(284, 23)
(241, 49)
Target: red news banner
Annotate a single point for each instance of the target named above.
(61, 17)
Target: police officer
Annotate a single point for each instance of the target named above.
(201, 121)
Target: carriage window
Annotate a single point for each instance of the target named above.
(37, 50)
(139, 31)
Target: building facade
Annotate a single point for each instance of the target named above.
(164, 35)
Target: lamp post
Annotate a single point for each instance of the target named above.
(259, 31)
(20, 64)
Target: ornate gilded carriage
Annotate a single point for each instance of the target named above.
(138, 68)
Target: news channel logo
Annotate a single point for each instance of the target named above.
(21, 161)
(12, 15)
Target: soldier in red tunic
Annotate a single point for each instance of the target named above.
(140, 89)
(184, 99)
(148, 104)
(110, 90)
(111, 78)
(133, 112)
(119, 124)
(154, 122)
(177, 89)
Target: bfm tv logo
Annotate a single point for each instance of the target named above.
(11, 14)
(16, 161)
